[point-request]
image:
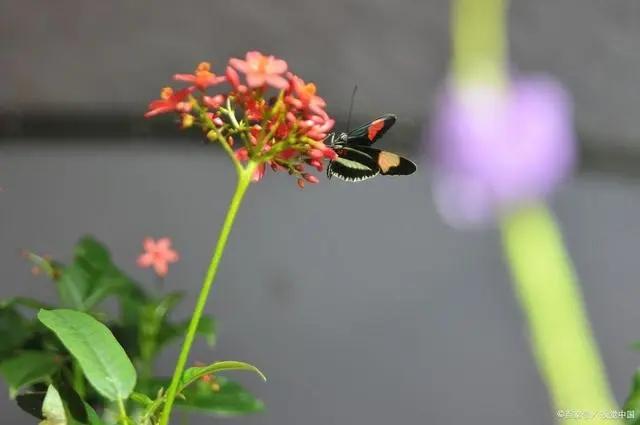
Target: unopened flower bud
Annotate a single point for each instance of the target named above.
(186, 120)
(316, 153)
(310, 178)
(242, 154)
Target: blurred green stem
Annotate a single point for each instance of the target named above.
(479, 41)
(244, 180)
(561, 337)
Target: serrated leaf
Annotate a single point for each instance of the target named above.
(102, 359)
(53, 409)
(27, 368)
(193, 374)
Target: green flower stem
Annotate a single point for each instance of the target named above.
(550, 296)
(124, 419)
(479, 41)
(244, 180)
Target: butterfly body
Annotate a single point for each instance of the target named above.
(358, 161)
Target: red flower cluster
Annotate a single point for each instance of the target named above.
(285, 131)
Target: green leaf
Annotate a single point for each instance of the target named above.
(14, 329)
(28, 368)
(31, 402)
(142, 399)
(228, 398)
(92, 254)
(193, 374)
(73, 403)
(74, 286)
(103, 361)
(206, 328)
(108, 283)
(53, 409)
(92, 417)
(92, 277)
(23, 302)
(152, 318)
(633, 401)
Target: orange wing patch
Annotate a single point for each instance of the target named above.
(374, 129)
(387, 161)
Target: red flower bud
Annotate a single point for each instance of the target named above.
(310, 178)
(213, 102)
(242, 154)
(316, 153)
(233, 77)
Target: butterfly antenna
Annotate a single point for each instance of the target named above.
(353, 96)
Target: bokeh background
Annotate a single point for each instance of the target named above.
(360, 305)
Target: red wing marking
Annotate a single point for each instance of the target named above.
(374, 128)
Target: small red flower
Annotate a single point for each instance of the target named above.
(213, 102)
(255, 109)
(258, 174)
(169, 101)
(158, 254)
(234, 79)
(202, 76)
(261, 70)
(307, 98)
(242, 154)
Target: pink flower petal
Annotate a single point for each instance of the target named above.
(163, 244)
(277, 81)
(161, 268)
(258, 174)
(276, 66)
(149, 244)
(239, 64)
(171, 256)
(253, 56)
(255, 80)
(185, 77)
(145, 260)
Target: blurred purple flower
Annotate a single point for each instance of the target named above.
(494, 148)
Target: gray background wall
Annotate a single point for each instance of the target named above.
(359, 304)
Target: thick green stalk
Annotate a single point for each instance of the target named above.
(244, 180)
(479, 41)
(548, 291)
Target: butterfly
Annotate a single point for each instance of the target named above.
(358, 161)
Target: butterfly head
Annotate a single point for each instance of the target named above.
(337, 139)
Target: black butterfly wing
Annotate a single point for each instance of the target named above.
(352, 165)
(389, 163)
(369, 133)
